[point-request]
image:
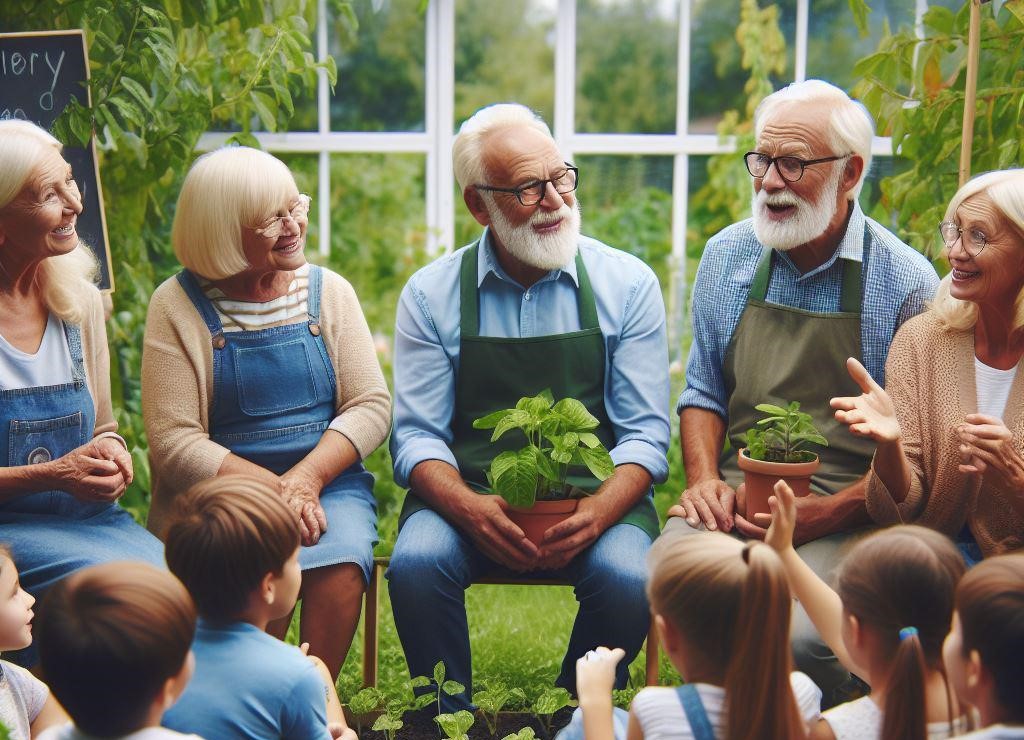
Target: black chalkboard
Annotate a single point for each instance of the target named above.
(39, 74)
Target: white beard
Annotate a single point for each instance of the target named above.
(542, 251)
(808, 222)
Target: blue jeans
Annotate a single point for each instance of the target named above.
(433, 564)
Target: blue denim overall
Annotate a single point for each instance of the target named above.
(52, 533)
(273, 399)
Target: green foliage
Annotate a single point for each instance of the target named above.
(915, 90)
(493, 698)
(526, 733)
(451, 688)
(549, 702)
(362, 703)
(456, 726)
(781, 436)
(558, 435)
(402, 701)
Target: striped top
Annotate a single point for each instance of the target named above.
(290, 308)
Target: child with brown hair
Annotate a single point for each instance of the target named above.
(885, 622)
(234, 543)
(739, 679)
(26, 707)
(984, 651)
(114, 646)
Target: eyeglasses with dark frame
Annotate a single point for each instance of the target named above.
(790, 169)
(274, 227)
(533, 193)
(974, 242)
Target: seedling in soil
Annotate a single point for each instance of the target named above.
(364, 702)
(451, 688)
(526, 733)
(549, 702)
(395, 707)
(493, 699)
(455, 726)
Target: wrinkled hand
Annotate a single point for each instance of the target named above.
(783, 507)
(302, 494)
(99, 470)
(595, 674)
(987, 444)
(711, 502)
(484, 520)
(871, 414)
(565, 540)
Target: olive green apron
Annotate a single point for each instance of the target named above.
(495, 372)
(779, 354)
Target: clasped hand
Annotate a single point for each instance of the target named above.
(302, 494)
(98, 471)
(987, 444)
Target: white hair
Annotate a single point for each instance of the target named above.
(467, 149)
(64, 282)
(1005, 188)
(226, 190)
(851, 128)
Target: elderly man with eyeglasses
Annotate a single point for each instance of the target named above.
(780, 302)
(531, 305)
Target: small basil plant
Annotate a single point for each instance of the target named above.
(783, 434)
(558, 435)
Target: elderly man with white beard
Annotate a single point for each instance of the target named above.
(530, 305)
(779, 303)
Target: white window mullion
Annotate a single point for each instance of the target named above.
(323, 110)
(565, 77)
(440, 87)
(680, 192)
(800, 64)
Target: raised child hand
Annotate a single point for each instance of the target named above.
(783, 507)
(595, 674)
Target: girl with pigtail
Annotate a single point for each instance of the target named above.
(739, 684)
(885, 622)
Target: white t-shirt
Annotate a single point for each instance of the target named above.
(70, 732)
(22, 697)
(993, 388)
(50, 365)
(861, 719)
(661, 716)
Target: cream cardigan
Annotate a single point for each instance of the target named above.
(96, 358)
(177, 387)
(930, 377)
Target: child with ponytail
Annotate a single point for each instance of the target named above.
(885, 622)
(722, 609)
(984, 652)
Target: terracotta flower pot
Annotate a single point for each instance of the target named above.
(760, 477)
(537, 519)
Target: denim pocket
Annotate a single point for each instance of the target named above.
(274, 378)
(39, 441)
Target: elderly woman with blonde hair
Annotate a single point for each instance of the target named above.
(256, 362)
(64, 466)
(949, 424)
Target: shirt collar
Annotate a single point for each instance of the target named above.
(487, 262)
(850, 248)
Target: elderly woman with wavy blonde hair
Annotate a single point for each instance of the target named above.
(950, 422)
(256, 362)
(62, 466)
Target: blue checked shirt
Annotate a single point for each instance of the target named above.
(631, 313)
(897, 282)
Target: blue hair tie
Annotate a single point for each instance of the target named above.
(907, 632)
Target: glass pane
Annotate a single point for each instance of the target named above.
(717, 78)
(626, 56)
(304, 169)
(381, 65)
(833, 44)
(504, 52)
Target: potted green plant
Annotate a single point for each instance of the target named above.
(775, 449)
(532, 479)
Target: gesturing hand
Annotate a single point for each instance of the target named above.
(595, 674)
(99, 470)
(302, 494)
(986, 443)
(712, 502)
(871, 414)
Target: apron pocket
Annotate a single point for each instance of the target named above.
(39, 441)
(274, 378)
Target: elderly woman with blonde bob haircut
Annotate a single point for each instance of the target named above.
(950, 422)
(256, 362)
(63, 466)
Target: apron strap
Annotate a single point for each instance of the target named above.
(195, 293)
(850, 294)
(313, 299)
(470, 311)
(695, 713)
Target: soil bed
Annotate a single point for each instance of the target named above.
(421, 726)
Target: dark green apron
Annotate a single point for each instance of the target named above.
(495, 372)
(779, 354)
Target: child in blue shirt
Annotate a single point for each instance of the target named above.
(234, 543)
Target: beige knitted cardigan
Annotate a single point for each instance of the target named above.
(177, 387)
(96, 358)
(930, 377)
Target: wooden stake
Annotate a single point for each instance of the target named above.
(970, 89)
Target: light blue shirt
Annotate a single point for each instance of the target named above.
(897, 282)
(631, 313)
(248, 684)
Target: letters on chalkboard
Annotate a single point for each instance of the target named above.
(39, 75)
